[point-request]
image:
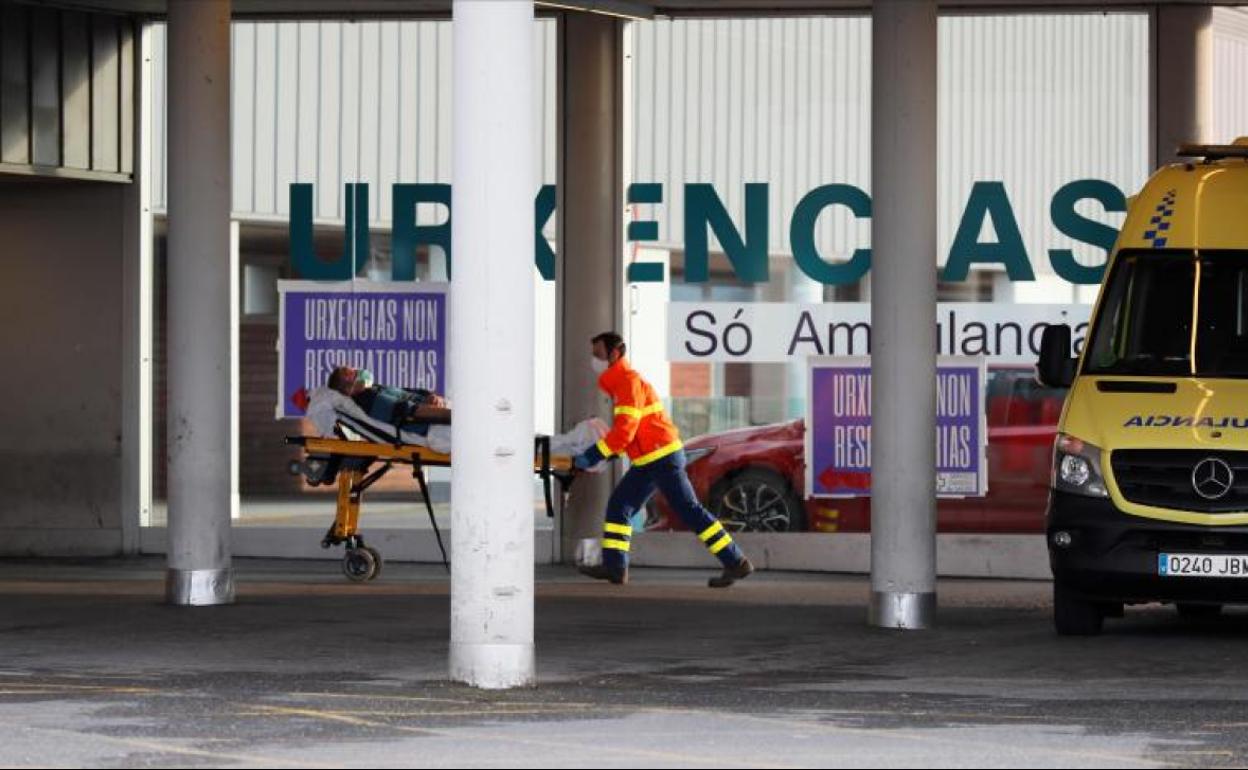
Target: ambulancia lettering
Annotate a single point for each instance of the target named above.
(1184, 421)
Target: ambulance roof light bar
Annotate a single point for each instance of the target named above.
(1212, 152)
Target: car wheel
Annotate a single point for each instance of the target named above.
(1075, 616)
(758, 500)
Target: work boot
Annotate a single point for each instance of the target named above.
(603, 572)
(739, 571)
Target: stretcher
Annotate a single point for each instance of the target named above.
(350, 463)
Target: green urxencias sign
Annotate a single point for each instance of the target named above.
(744, 243)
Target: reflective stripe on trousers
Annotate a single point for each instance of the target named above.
(666, 474)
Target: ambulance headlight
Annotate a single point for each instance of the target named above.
(1077, 467)
(1075, 470)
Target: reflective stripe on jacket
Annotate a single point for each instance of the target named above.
(640, 426)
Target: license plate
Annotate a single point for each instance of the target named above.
(1202, 565)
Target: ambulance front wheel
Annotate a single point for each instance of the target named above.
(359, 565)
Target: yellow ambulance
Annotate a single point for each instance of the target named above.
(1149, 493)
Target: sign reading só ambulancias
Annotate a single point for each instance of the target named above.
(780, 332)
(838, 420)
(396, 330)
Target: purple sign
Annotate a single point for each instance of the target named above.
(395, 330)
(838, 441)
(841, 430)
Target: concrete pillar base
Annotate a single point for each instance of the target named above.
(199, 587)
(902, 611)
(493, 666)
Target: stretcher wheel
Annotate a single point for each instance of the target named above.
(359, 565)
(376, 559)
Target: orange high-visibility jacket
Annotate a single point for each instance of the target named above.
(640, 426)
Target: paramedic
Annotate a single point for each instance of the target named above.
(657, 460)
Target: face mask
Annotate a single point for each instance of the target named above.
(597, 364)
(366, 377)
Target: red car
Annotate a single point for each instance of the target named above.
(754, 479)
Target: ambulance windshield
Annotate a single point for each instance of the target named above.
(1173, 314)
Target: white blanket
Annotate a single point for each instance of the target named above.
(328, 408)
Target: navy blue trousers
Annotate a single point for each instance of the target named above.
(667, 475)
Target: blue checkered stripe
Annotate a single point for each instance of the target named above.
(1159, 224)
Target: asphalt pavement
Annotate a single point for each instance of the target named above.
(307, 670)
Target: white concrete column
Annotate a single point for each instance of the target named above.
(494, 179)
(590, 243)
(1183, 100)
(200, 435)
(903, 238)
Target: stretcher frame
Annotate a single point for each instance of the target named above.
(349, 463)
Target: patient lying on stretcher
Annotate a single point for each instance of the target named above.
(375, 412)
(379, 413)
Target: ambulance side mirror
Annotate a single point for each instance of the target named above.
(1056, 368)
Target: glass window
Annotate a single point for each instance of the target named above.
(331, 104)
(1173, 313)
(786, 103)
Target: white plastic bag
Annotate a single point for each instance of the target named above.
(583, 435)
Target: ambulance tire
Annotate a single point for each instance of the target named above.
(1198, 611)
(1075, 616)
(758, 500)
(359, 565)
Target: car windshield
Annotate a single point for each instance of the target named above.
(1172, 314)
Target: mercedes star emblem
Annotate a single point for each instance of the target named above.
(1212, 478)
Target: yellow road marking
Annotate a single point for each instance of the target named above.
(447, 713)
(166, 748)
(369, 696)
(62, 691)
(334, 716)
(357, 717)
